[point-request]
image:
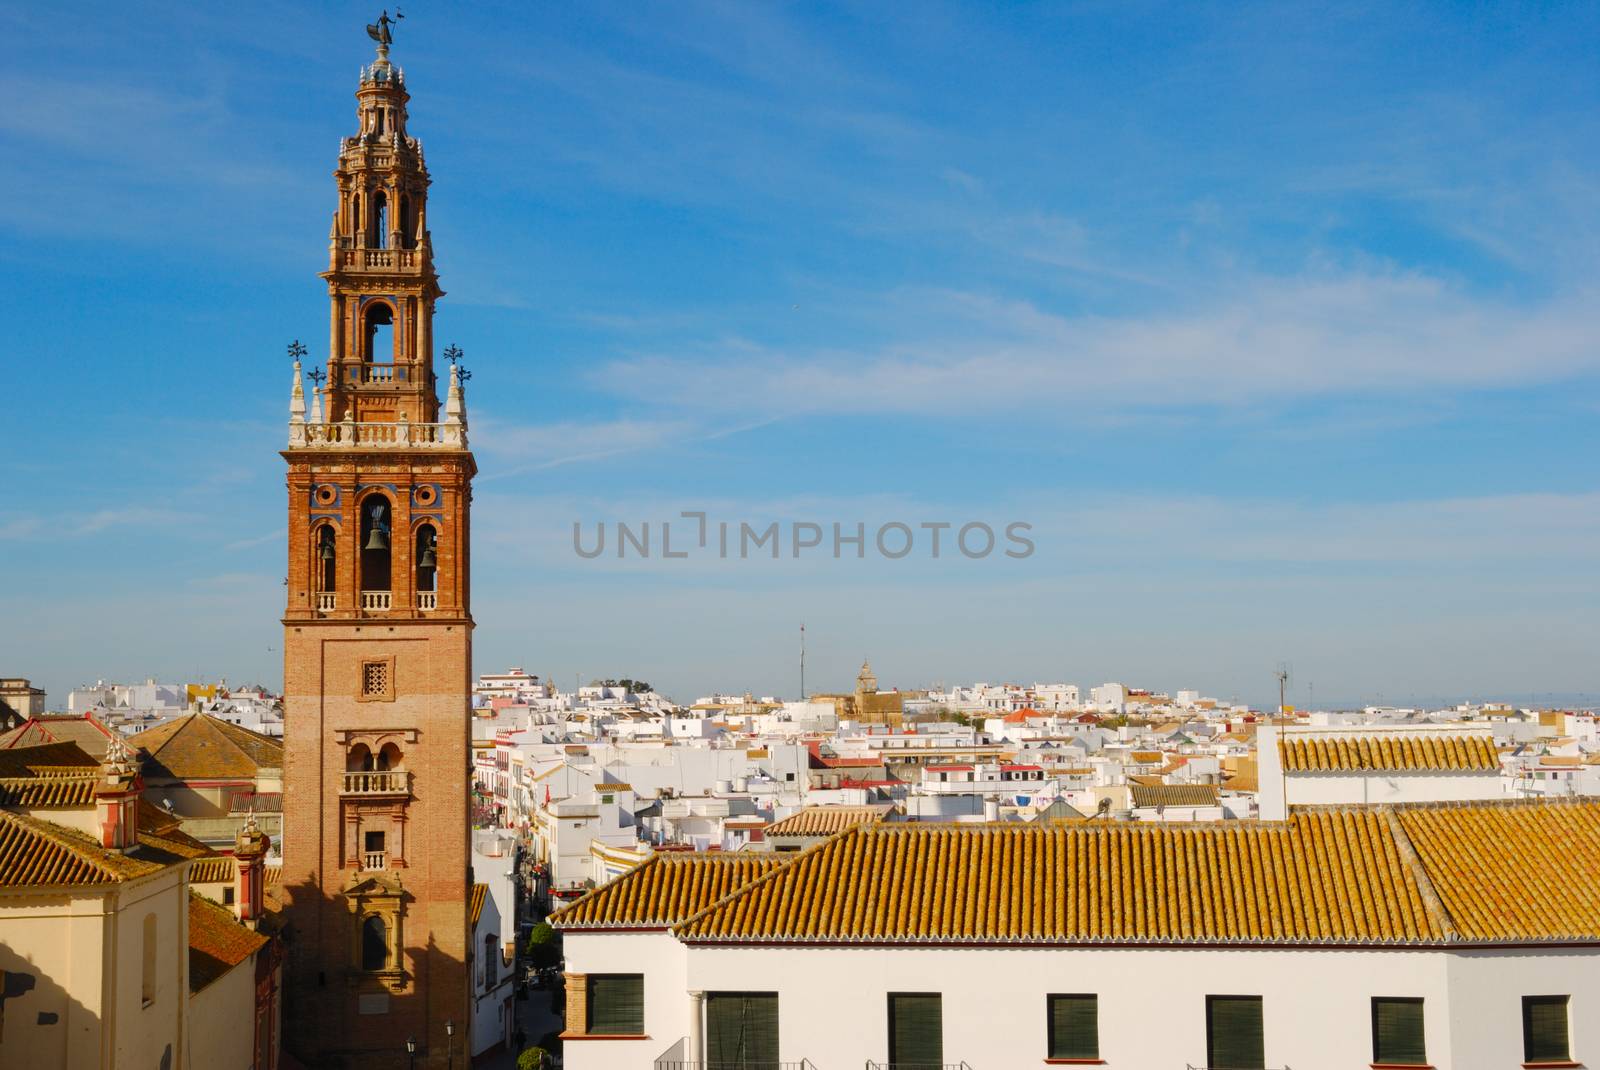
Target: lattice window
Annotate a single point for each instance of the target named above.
(377, 679)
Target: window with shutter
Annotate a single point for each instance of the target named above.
(1544, 1029)
(741, 1031)
(1233, 1033)
(616, 1004)
(1397, 1031)
(1074, 1027)
(916, 1031)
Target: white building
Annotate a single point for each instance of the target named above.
(1303, 765)
(1140, 945)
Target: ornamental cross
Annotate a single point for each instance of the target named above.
(316, 375)
(296, 350)
(453, 353)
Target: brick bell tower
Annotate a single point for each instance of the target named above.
(378, 635)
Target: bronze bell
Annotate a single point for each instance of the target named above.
(326, 550)
(428, 559)
(378, 539)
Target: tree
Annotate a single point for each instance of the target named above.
(533, 1059)
(543, 950)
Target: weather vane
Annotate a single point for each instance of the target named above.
(380, 32)
(296, 350)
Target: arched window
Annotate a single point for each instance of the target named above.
(389, 757)
(326, 566)
(408, 224)
(358, 759)
(374, 944)
(376, 530)
(491, 961)
(427, 558)
(380, 217)
(380, 333)
(147, 971)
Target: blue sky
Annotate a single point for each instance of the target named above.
(1277, 322)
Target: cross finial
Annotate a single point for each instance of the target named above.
(453, 353)
(316, 375)
(296, 350)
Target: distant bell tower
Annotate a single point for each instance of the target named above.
(378, 634)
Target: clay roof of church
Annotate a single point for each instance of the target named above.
(217, 942)
(198, 746)
(666, 888)
(82, 729)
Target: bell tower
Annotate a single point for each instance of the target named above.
(378, 633)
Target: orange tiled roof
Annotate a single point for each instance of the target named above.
(479, 893)
(1505, 872)
(825, 820)
(65, 758)
(47, 792)
(37, 853)
(198, 746)
(666, 888)
(1388, 750)
(217, 942)
(1146, 757)
(1174, 794)
(82, 729)
(218, 870)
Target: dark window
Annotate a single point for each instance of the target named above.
(1233, 1033)
(380, 210)
(616, 1004)
(1397, 1031)
(374, 944)
(742, 1030)
(1074, 1027)
(916, 1031)
(374, 841)
(1544, 1029)
(491, 960)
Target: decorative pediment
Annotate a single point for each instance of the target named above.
(380, 884)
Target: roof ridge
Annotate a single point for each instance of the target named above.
(1419, 873)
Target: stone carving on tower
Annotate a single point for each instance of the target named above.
(378, 632)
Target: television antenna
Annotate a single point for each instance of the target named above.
(1282, 676)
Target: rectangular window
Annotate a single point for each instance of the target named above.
(1074, 1027)
(616, 1004)
(1544, 1029)
(1233, 1033)
(1397, 1031)
(916, 1030)
(742, 1030)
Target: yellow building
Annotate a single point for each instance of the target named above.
(106, 958)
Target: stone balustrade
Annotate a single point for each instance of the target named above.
(376, 601)
(377, 782)
(401, 435)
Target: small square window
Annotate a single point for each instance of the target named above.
(376, 682)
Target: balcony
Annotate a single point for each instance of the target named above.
(406, 260)
(427, 599)
(392, 436)
(374, 860)
(377, 782)
(376, 601)
(327, 600)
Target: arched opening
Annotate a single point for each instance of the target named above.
(380, 333)
(491, 962)
(374, 944)
(377, 121)
(389, 757)
(380, 218)
(408, 224)
(326, 565)
(376, 528)
(358, 759)
(426, 556)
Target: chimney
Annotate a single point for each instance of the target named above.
(116, 799)
(249, 880)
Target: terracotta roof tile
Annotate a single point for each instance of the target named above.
(1433, 751)
(82, 729)
(1508, 872)
(47, 792)
(1174, 795)
(217, 942)
(825, 820)
(665, 889)
(47, 759)
(198, 746)
(37, 853)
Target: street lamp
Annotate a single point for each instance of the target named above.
(449, 1044)
(411, 1051)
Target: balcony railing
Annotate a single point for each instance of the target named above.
(327, 600)
(400, 435)
(380, 373)
(374, 859)
(748, 1064)
(427, 599)
(916, 1066)
(380, 259)
(375, 601)
(377, 782)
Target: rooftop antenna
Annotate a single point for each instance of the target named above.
(802, 661)
(1283, 682)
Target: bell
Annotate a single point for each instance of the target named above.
(378, 539)
(428, 559)
(327, 550)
